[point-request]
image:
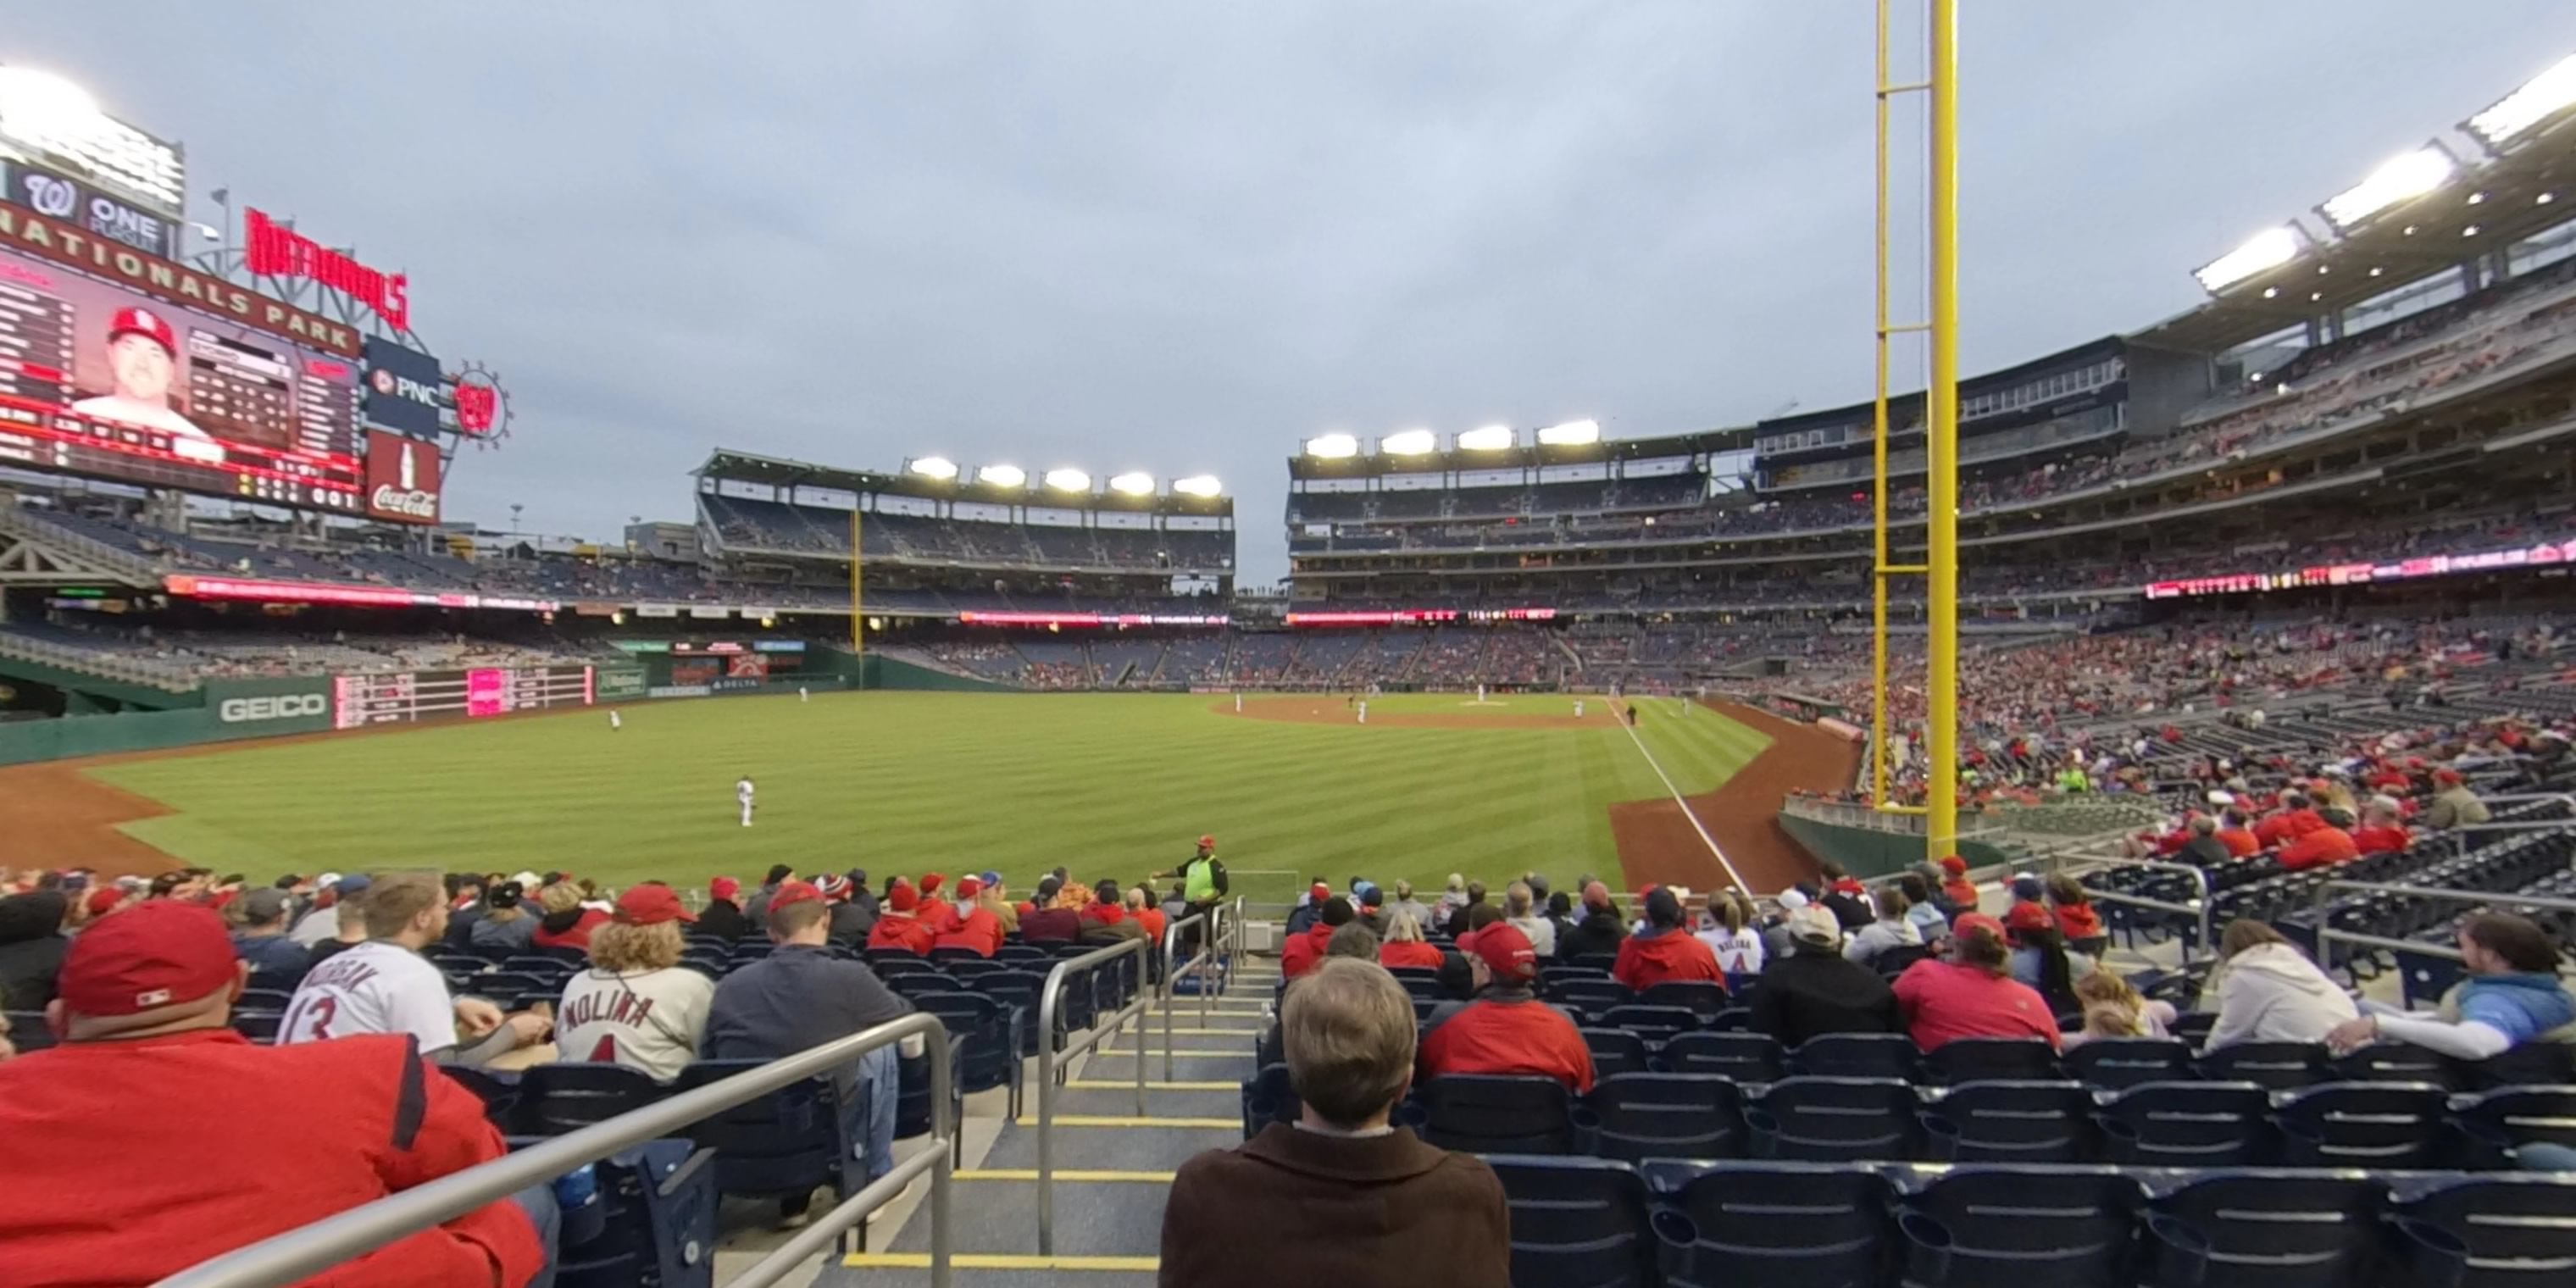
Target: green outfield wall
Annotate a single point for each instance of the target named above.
(231, 710)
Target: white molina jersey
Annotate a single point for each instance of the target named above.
(650, 1020)
(375, 987)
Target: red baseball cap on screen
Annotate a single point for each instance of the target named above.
(651, 904)
(1506, 952)
(134, 321)
(152, 955)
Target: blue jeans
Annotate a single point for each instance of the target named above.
(538, 1201)
(880, 1088)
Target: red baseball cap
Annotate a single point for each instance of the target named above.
(793, 892)
(104, 900)
(2026, 916)
(1954, 865)
(724, 888)
(931, 881)
(1507, 952)
(1319, 892)
(1207, 842)
(2447, 777)
(1977, 921)
(134, 321)
(902, 898)
(651, 904)
(969, 887)
(155, 954)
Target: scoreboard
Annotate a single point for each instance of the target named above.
(400, 697)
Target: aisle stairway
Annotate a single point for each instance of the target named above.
(1112, 1167)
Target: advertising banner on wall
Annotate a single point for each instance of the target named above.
(257, 708)
(620, 682)
(402, 478)
(403, 388)
(60, 196)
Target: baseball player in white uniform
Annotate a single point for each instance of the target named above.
(742, 792)
(802, 695)
(1238, 704)
(1578, 708)
(1363, 711)
(614, 720)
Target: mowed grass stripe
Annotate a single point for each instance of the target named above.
(1108, 785)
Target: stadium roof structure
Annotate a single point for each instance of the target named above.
(1523, 456)
(2513, 191)
(773, 471)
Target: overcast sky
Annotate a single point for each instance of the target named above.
(1184, 236)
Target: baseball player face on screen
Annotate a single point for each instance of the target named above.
(143, 363)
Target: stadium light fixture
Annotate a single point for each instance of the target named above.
(1003, 476)
(1197, 485)
(1573, 433)
(1068, 480)
(1410, 442)
(41, 107)
(935, 467)
(2539, 98)
(2265, 251)
(2400, 180)
(1332, 447)
(1133, 483)
(1488, 438)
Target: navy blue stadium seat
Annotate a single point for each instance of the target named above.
(2490, 1123)
(1734, 1019)
(499, 1093)
(1021, 953)
(985, 1032)
(783, 1144)
(2115, 1063)
(2363, 1124)
(1422, 989)
(259, 1026)
(572, 1094)
(2265, 1230)
(1269, 1097)
(1656, 1024)
(2187, 1124)
(1808, 1225)
(1991, 1059)
(1481, 1114)
(1701, 997)
(658, 1226)
(1835, 1120)
(1615, 1051)
(1017, 990)
(2397, 1062)
(1858, 1055)
(2488, 1231)
(1591, 996)
(1602, 962)
(1982, 1226)
(1577, 1223)
(1745, 1057)
(1637, 1116)
(2279, 1066)
(2012, 1122)
(969, 969)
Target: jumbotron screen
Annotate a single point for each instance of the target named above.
(400, 697)
(100, 380)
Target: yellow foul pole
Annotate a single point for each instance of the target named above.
(1941, 591)
(1878, 748)
(858, 605)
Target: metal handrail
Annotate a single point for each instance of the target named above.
(2198, 908)
(1049, 1058)
(1198, 966)
(2327, 934)
(300, 1253)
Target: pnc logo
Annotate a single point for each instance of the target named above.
(285, 706)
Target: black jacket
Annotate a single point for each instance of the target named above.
(1815, 990)
(725, 919)
(2206, 851)
(1599, 932)
(1849, 909)
(851, 924)
(31, 949)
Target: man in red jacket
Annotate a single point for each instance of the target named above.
(1956, 889)
(1506, 1030)
(1665, 949)
(2294, 820)
(97, 1191)
(1301, 952)
(2327, 843)
(899, 926)
(977, 927)
(2380, 831)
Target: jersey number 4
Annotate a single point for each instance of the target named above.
(606, 1051)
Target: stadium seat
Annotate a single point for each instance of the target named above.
(259, 1026)
(1857, 1055)
(1656, 1024)
(1734, 1019)
(952, 956)
(1602, 962)
(1834, 1120)
(969, 970)
(1615, 1051)
(1577, 1223)
(783, 1144)
(2278, 1066)
(2363, 1124)
(2265, 1230)
(2397, 1062)
(1700, 997)
(1021, 953)
(1481, 1114)
(499, 1093)
(1269, 1097)
(1981, 1226)
(2489, 1123)
(572, 1094)
(2187, 1124)
(1591, 996)
(659, 1221)
(1990, 1059)
(2488, 1231)
(986, 1034)
(1636, 1116)
(1745, 1057)
(1811, 1225)
(2011, 1122)
(2115, 1063)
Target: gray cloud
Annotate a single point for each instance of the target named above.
(1181, 236)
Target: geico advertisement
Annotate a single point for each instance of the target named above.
(282, 706)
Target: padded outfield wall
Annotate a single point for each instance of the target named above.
(227, 710)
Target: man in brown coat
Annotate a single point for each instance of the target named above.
(1342, 1198)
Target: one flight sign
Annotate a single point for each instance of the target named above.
(404, 390)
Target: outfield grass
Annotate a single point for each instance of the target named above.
(1103, 784)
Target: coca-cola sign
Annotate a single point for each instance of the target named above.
(402, 478)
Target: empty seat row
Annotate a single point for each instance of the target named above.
(1685, 1224)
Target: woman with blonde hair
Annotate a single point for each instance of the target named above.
(1405, 946)
(566, 923)
(636, 1005)
(2112, 1009)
